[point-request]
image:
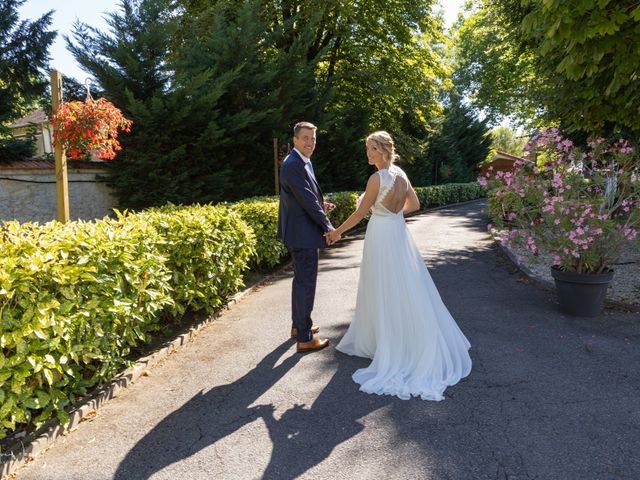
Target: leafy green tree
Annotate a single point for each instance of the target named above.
(24, 56)
(494, 64)
(455, 150)
(385, 73)
(504, 139)
(570, 63)
(588, 51)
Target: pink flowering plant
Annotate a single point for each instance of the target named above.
(582, 206)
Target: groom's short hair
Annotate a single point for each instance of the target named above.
(300, 125)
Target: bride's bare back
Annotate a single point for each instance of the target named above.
(396, 197)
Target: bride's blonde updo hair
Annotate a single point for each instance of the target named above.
(386, 144)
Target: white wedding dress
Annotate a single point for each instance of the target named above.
(400, 321)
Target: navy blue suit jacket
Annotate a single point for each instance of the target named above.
(301, 218)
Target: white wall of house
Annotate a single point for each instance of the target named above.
(42, 137)
(30, 195)
(38, 124)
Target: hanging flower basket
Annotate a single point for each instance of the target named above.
(89, 127)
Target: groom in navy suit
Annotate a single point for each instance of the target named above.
(302, 223)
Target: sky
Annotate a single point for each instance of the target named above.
(92, 12)
(65, 13)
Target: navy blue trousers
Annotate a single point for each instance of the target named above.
(303, 293)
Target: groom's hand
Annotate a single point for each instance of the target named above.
(332, 237)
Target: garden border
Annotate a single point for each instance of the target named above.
(19, 454)
(544, 283)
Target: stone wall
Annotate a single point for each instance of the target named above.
(30, 195)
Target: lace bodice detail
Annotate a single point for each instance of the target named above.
(388, 178)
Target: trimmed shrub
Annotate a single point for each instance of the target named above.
(75, 298)
(439, 195)
(262, 216)
(207, 249)
(345, 203)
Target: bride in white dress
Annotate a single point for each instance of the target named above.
(400, 321)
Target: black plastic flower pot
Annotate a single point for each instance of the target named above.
(581, 294)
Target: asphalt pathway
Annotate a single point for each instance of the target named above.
(549, 396)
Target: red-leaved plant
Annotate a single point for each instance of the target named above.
(89, 127)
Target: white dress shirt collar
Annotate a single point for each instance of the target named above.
(306, 159)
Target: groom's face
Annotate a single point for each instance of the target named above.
(305, 141)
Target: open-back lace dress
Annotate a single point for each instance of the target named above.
(400, 320)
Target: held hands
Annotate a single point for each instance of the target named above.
(332, 237)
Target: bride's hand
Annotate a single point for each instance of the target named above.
(332, 237)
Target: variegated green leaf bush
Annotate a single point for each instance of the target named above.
(262, 215)
(208, 248)
(74, 299)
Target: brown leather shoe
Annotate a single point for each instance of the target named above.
(313, 345)
(294, 331)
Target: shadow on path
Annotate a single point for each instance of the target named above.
(205, 419)
(211, 416)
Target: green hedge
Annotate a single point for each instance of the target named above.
(345, 203)
(76, 298)
(73, 298)
(207, 248)
(438, 195)
(262, 215)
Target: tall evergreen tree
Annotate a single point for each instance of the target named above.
(207, 93)
(460, 144)
(131, 66)
(24, 57)
(270, 87)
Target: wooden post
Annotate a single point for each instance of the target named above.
(62, 185)
(276, 173)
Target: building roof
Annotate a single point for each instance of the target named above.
(41, 164)
(37, 116)
(500, 161)
(505, 156)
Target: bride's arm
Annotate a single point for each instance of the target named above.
(411, 204)
(370, 194)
